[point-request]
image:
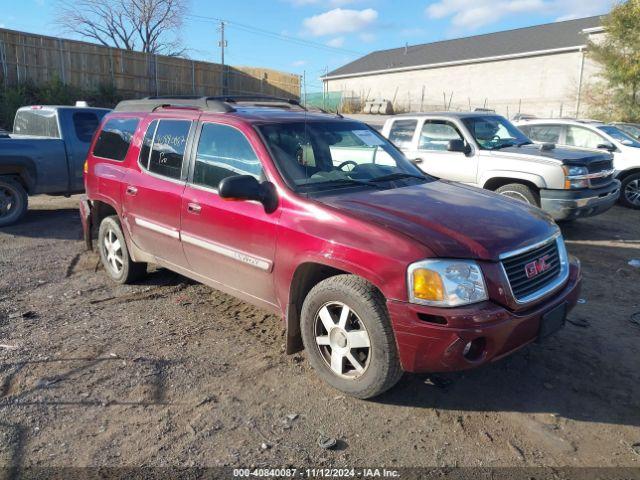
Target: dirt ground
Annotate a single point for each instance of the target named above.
(169, 372)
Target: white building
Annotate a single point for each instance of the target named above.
(540, 70)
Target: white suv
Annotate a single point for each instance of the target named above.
(594, 135)
(488, 151)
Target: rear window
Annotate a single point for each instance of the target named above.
(38, 122)
(115, 138)
(85, 123)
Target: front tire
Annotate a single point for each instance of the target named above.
(630, 191)
(348, 337)
(519, 191)
(115, 255)
(13, 201)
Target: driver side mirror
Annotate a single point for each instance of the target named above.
(458, 145)
(246, 187)
(609, 147)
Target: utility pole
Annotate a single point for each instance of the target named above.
(223, 44)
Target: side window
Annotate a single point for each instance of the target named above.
(223, 152)
(544, 133)
(436, 134)
(145, 148)
(115, 138)
(85, 123)
(168, 147)
(402, 131)
(582, 137)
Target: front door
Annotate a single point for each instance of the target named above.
(153, 190)
(232, 243)
(437, 160)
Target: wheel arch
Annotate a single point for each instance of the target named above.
(21, 172)
(307, 275)
(625, 173)
(494, 183)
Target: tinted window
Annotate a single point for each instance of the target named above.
(402, 131)
(145, 148)
(582, 137)
(168, 148)
(223, 152)
(85, 123)
(38, 122)
(436, 135)
(544, 133)
(115, 138)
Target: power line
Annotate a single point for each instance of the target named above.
(275, 35)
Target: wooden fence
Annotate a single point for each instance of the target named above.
(38, 59)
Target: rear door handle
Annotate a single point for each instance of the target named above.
(194, 208)
(131, 190)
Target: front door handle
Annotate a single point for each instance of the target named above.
(131, 190)
(194, 208)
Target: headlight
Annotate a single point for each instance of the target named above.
(574, 177)
(446, 283)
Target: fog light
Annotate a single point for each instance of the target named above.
(474, 350)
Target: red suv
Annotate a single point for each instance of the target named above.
(375, 267)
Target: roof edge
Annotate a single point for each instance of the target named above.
(533, 53)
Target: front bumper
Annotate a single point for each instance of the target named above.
(433, 339)
(572, 204)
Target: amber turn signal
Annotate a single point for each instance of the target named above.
(427, 285)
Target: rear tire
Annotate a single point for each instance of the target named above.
(13, 201)
(353, 350)
(519, 191)
(630, 191)
(115, 255)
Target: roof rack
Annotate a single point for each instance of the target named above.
(220, 104)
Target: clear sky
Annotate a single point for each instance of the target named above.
(311, 35)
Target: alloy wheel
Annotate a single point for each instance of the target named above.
(113, 252)
(516, 196)
(343, 340)
(632, 192)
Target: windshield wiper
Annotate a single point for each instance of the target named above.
(395, 176)
(527, 142)
(504, 145)
(341, 181)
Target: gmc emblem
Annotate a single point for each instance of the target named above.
(537, 267)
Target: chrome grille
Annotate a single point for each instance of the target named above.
(596, 167)
(523, 286)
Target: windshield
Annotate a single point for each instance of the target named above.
(632, 130)
(334, 154)
(493, 132)
(619, 135)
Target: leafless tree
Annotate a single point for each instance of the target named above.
(151, 26)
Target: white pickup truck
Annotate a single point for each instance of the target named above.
(488, 151)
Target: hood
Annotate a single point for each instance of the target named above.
(450, 219)
(564, 155)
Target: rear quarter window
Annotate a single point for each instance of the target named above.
(115, 138)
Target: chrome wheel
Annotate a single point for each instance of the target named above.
(342, 339)
(632, 192)
(113, 252)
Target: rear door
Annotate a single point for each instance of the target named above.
(402, 133)
(154, 186)
(231, 243)
(433, 142)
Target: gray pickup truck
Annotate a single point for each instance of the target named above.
(44, 154)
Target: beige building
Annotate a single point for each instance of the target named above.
(540, 70)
